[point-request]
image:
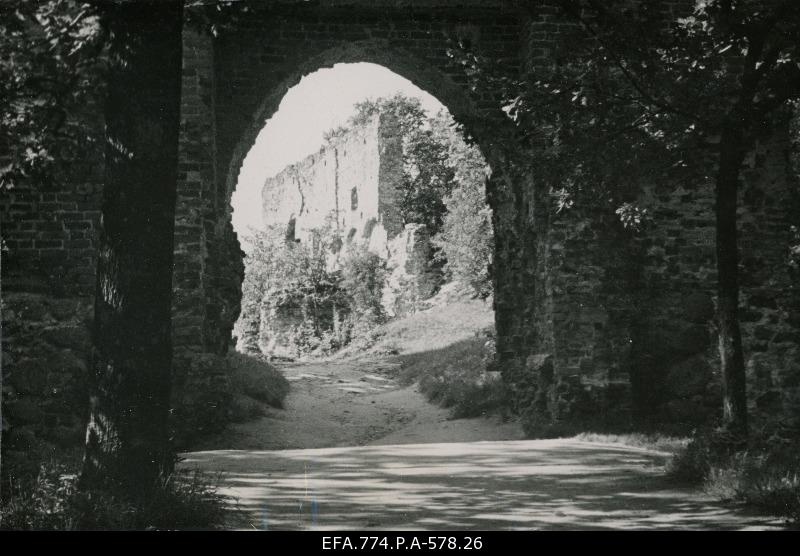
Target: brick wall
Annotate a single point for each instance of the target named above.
(601, 302)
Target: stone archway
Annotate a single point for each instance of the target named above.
(593, 313)
(227, 99)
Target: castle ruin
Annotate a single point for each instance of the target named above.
(350, 184)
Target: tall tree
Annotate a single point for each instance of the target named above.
(719, 74)
(127, 446)
(682, 95)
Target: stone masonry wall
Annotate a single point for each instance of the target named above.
(47, 293)
(623, 322)
(344, 186)
(582, 307)
(233, 83)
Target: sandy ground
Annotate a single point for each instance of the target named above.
(354, 403)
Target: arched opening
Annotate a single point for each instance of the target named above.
(373, 221)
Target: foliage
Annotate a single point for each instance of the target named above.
(443, 186)
(52, 501)
(433, 153)
(764, 473)
(254, 382)
(466, 239)
(655, 94)
(363, 277)
(338, 294)
(673, 99)
(303, 278)
(52, 57)
(263, 254)
(292, 276)
(458, 377)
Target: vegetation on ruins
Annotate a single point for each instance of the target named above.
(331, 295)
(427, 176)
(443, 187)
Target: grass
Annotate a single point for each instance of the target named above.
(768, 482)
(254, 383)
(185, 500)
(446, 350)
(651, 441)
(763, 474)
(456, 377)
(435, 329)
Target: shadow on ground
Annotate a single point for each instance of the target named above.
(533, 484)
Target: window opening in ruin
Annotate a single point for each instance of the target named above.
(290, 231)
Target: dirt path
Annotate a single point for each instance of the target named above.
(354, 403)
(530, 484)
(356, 450)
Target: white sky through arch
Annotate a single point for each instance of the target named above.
(321, 101)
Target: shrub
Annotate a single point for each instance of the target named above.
(296, 279)
(768, 481)
(691, 465)
(466, 240)
(764, 474)
(255, 377)
(43, 503)
(363, 278)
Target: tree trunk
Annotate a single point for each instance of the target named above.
(730, 337)
(1, 374)
(127, 439)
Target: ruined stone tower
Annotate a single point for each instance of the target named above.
(350, 184)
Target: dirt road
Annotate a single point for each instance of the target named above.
(354, 403)
(529, 484)
(355, 450)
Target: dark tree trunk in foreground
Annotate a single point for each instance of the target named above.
(127, 441)
(730, 336)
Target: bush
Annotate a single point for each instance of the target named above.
(295, 280)
(466, 240)
(254, 377)
(764, 474)
(363, 278)
(183, 500)
(767, 481)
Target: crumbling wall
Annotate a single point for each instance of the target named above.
(343, 187)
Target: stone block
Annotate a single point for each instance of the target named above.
(698, 307)
(688, 377)
(25, 411)
(73, 337)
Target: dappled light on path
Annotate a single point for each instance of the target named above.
(533, 484)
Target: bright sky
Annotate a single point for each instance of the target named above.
(321, 101)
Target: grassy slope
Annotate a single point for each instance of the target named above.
(445, 349)
(254, 383)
